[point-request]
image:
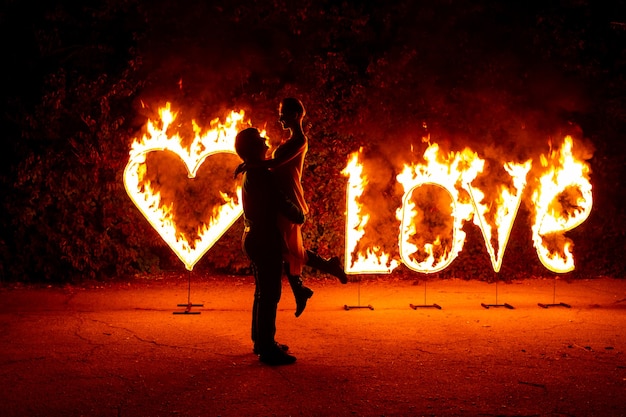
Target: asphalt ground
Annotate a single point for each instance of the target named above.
(120, 350)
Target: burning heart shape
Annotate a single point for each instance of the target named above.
(190, 208)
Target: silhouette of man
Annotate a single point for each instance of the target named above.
(263, 202)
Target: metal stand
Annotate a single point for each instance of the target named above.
(554, 303)
(415, 307)
(189, 305)
(506, 305)
(347, 307)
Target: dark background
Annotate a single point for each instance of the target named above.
(80, 80)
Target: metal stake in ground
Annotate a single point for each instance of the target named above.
(415, 307)
(506, 305)
(189, 304)
(358, 285)
(554, 303)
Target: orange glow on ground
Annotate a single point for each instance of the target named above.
(119, 350)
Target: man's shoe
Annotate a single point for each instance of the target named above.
(302, 296)
(275, 356)
(280, 346)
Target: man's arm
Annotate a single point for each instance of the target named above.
(284, 205)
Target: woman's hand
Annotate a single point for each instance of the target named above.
(242, 167)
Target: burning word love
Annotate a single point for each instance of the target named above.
(191, 211)
(431, 238)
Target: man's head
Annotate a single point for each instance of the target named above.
(250, 145)
(291, 111)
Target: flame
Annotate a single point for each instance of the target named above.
(374, 261)
(220, 138)
(446, 173)
(506, 206)
(439, 197)
(563, 200)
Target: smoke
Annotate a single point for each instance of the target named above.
(193, 201)
(464, 72)
(208, 58)
(434, 219)
(471, 77)
(500, 132)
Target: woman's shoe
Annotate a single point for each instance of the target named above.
(302, 296)
(330, 266)
(300, 292)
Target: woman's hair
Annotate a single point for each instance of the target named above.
(246, 142)
(291, 104)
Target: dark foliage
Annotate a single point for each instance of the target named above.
(379, 74)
